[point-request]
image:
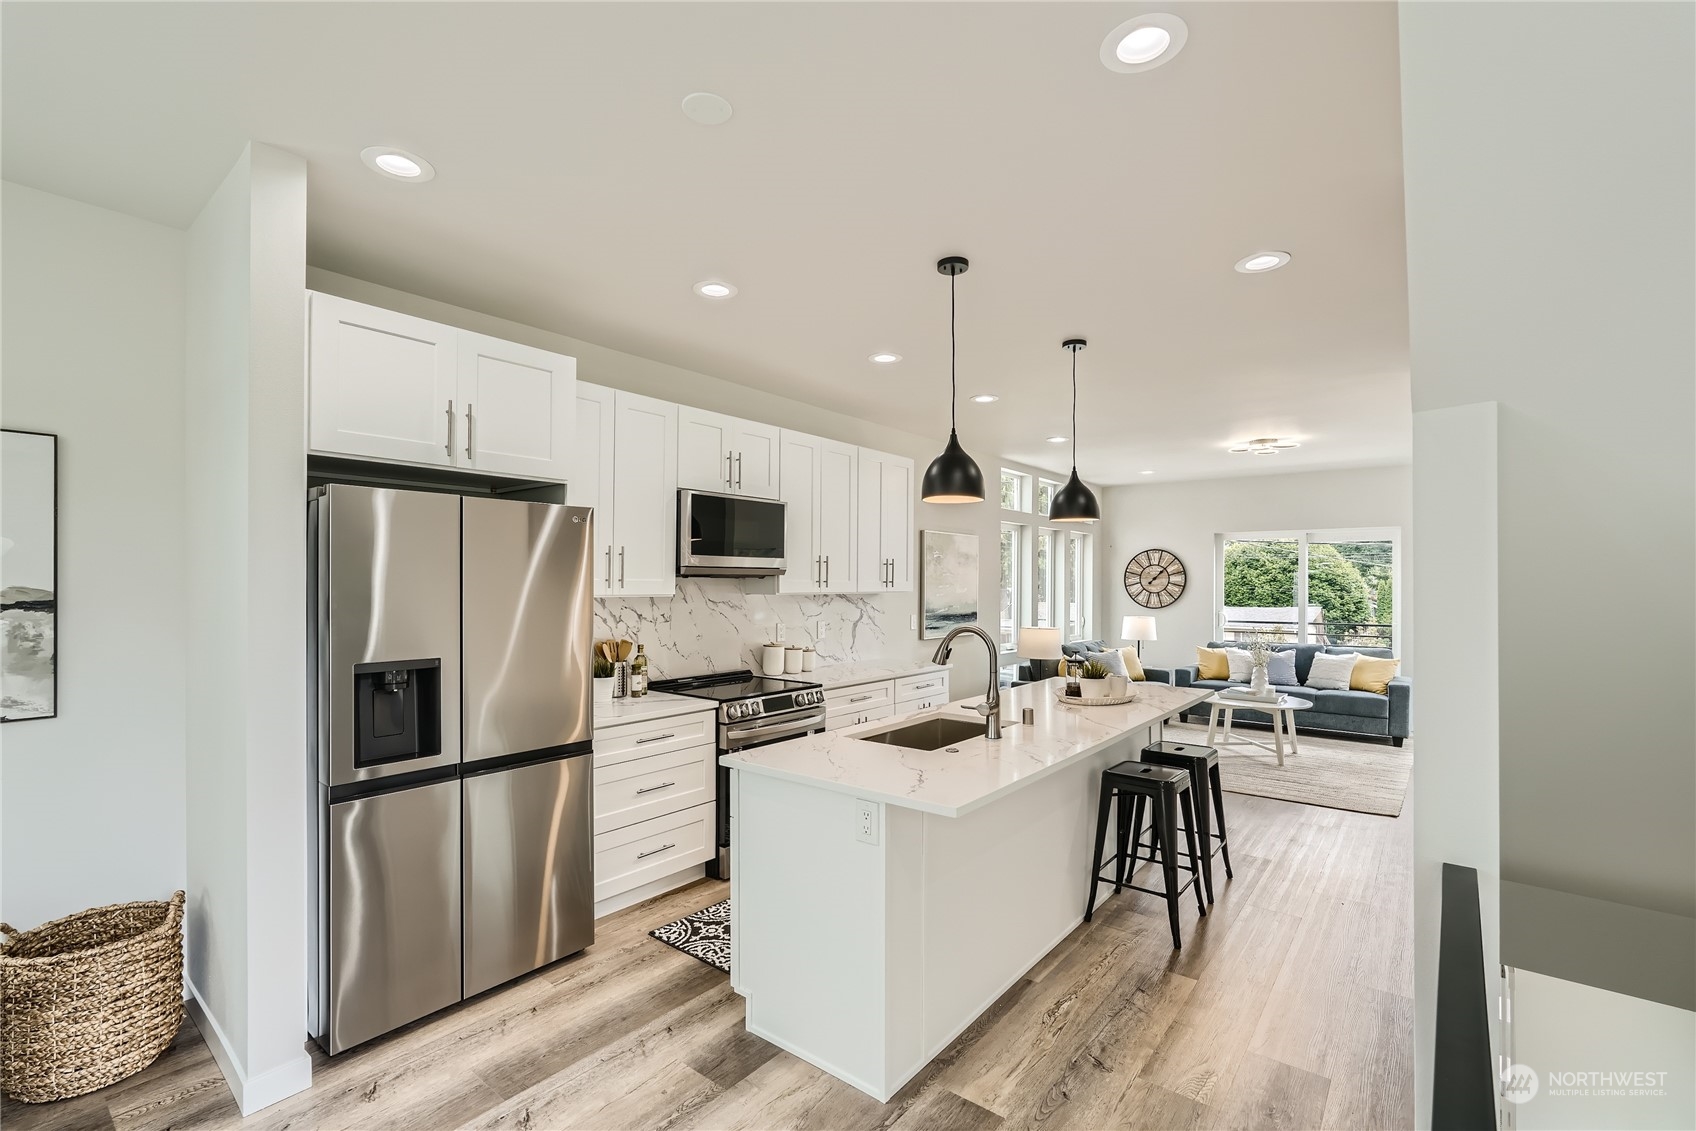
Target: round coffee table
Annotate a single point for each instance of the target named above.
(1283, 723)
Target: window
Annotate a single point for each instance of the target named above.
(1012, 589)
(1077, 585)
(1015, 491)
(1045, 580)
(1045, 492)
(1328, 587)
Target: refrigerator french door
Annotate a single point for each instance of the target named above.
(450, 716)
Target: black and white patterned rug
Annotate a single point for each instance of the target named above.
(704, 935)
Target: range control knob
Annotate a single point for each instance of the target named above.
(735, 711)
(755, 708)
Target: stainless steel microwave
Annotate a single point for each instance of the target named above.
(722, 535)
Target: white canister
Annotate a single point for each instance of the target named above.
(808, 657)
(792, 660)
(771, 659)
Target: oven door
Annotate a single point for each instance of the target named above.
(734, 737)
(722, 535)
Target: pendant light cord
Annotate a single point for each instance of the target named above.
(953, 366)
(1074, 410)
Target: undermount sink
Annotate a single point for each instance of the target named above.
(929, 734)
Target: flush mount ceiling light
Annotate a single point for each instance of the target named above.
(1143, 43)
(1265, 446)
(705, 108)
(1262, 261)
(985, 398)
(397, 164)
(714, 288)
(1074, 502)
(885, 358)
(953, 476)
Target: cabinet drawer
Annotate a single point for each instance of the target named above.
(923, 703)
(615, 744)
(860, 698)
(859, 713)
(642, 788)
(648, 850)
(928, 686)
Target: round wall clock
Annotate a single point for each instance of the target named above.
(1154, 578)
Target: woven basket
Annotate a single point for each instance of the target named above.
(89, 999)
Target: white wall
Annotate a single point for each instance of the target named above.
(248, 777)
(601, 366)
(93, 351)
(1550, 157)
(1187, 518)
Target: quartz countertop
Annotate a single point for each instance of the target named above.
(653, 705)
(977, 771)
(870, 671)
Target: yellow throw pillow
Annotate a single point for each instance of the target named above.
(1373, 674)
(1212, 663)
(1133, 664)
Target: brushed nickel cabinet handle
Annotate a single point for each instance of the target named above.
(655, 738)
(651, 851)
(652, 788)
(728, 460)
(862, 698)
(621, 567)
(470, 433)
(609, 565)
(827, 571)
(818, 571)
(450, 429)
(738, 471)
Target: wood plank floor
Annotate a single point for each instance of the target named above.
(1290, 1006)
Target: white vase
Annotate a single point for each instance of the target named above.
(1257, 679)
(1092, 688)
(604, 685)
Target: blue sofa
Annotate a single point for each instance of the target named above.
(1346, 712)
(1032, 671)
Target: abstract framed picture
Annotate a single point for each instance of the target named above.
(948, 581)
(29, 575)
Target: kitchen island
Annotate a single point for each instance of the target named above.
(884, 897)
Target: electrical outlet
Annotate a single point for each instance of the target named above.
(780, 632)
(865, 822)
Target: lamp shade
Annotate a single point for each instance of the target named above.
(1039, 643)
(1074, 502)
(1138, 628)
(953, 476)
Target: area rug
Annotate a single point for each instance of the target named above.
(1336, 773)
(705, 935)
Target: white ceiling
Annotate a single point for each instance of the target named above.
(868, 140)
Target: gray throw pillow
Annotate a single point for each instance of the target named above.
(1112, 661)
(1281, 669)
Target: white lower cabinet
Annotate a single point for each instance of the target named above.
(655, 805)
(869, 702)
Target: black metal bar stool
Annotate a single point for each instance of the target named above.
(1202, 762)
(1160, 791)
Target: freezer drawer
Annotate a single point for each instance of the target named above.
(529, 896)
(393, 948)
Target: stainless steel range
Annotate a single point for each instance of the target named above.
(753, 711)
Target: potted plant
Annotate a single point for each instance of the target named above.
(1259, 650)
(1092, 679)
(604, 679)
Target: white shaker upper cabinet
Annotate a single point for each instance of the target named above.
(884, 557)
(838, 517)
(383, 385)
(722, 453)
(799, 456)
(644, 509)
(706, 459)
(589, 481)
(518, 403)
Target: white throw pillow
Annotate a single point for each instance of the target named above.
(1330, 671)
(1242, 664)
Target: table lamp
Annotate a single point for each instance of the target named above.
(1040, 644)
(1138, 629)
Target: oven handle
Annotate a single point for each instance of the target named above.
(735, 738)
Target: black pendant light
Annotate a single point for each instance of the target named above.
(953, 476)
(1074, 502)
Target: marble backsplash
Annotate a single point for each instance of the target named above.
(714, 624)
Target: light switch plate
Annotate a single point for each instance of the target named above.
(865, 821)
(780, 632)
(914, 622)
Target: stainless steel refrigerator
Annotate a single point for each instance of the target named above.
(450, 705)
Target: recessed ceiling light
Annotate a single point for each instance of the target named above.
(1058, 439)
(1150, 471)
(886, 358)
(985, 398)
(397, 163)
(1262, 261)
(1264, 446)
(714, 288)
(1143, 43)
(707, 109)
